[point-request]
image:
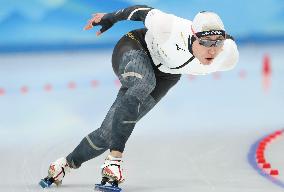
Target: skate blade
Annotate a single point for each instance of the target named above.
(44, 183)
(106, 188)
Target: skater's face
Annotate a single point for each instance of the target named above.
(205, 49)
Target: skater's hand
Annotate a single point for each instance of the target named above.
(96, 20)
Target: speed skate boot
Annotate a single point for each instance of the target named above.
(112, 171)
(56, 173)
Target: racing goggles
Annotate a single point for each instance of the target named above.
(211, 43)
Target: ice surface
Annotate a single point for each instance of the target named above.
(196, 139)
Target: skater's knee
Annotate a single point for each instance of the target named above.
(141, 91)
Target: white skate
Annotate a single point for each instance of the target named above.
(112, 171)
(56, 173)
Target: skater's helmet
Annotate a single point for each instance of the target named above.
(207, 23)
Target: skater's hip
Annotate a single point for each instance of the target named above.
(131, 42)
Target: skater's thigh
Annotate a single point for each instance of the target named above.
(136, 69)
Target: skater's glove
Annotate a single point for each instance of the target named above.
(102, 19)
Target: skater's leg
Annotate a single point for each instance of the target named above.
(136, 73)
(98, 141)
(138, 90)
(159, 92)
(91, 146)
(144, 91)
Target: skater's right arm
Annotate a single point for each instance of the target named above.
(155, 19)
(107, 20)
